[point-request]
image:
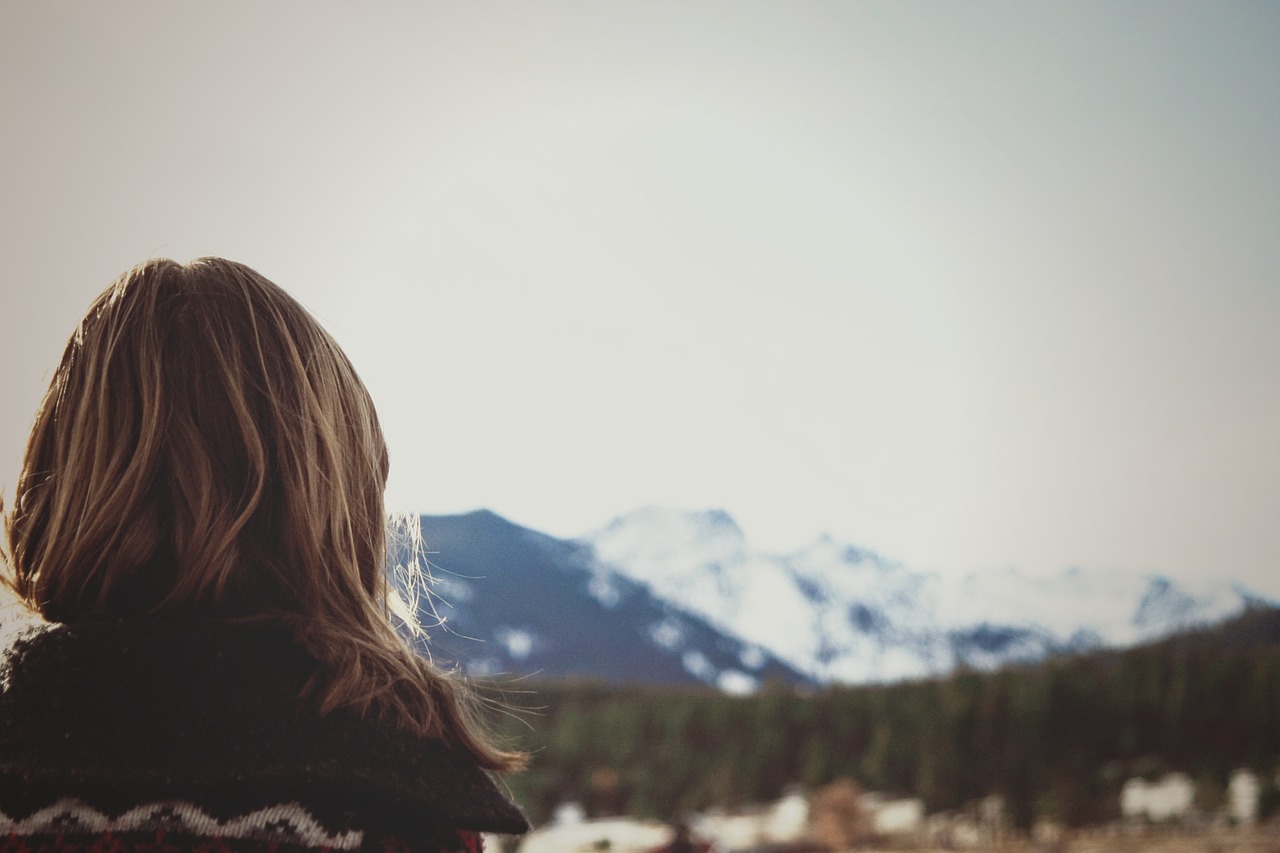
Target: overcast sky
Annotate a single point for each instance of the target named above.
(976, 285)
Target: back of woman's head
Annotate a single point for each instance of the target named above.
(206, 449)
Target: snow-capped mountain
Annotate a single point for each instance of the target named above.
(507, 600)
(841, 613)
(672, 597)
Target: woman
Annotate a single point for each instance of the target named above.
(201, 510)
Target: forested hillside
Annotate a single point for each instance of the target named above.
(1056, 739)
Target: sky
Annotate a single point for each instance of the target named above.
(978, 286)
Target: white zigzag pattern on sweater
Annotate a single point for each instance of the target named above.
(290, 823)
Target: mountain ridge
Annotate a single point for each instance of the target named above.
(673, 596)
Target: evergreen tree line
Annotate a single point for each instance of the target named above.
(1056, 740)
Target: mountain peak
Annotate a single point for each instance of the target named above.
(669, 540)
(499, 605)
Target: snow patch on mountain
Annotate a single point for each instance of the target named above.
(737, 683)
(667, 634)
(518, 641)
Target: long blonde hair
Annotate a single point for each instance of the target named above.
(205, 449)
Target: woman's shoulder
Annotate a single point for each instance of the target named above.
(117, 714)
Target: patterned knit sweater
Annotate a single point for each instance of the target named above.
(165, 736)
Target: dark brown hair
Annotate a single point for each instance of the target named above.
(206, 449)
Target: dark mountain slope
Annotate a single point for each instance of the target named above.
(517, 601)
